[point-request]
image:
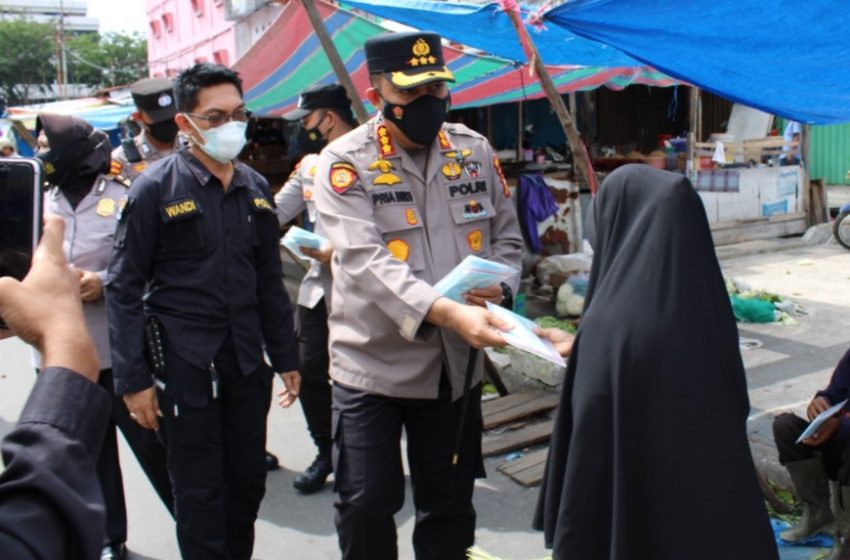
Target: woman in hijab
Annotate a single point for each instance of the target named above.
(649, 458)
(76, 160)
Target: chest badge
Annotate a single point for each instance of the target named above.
(474, 209)
(385, 176)
(342, 176)
(399, 249)
(473, 169)
(105, 207)
(459, 155)
(474, 239)
(452, 171)
(139, 167)
(312, 171)
(410, 216)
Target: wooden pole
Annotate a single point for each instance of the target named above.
(693, 129)
(580, 156)
(812, 210)
(336, 61)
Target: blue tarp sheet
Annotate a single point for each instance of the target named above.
(487, 28)
(785, 57)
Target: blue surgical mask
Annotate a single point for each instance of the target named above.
(224, 142)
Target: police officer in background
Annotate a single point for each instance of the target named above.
(403, 199)
(76, 161)
(325, 115)
(198, 239)
(155, 110)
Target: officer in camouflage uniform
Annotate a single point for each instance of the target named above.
(403, 199)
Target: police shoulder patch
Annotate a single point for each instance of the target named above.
(180, 209)
(342, 176)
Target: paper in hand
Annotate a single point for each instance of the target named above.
(472, 273)
(820, 419)
(522, 335)
(296, 238)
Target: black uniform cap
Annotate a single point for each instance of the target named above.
(408, 59)
(331, 96)
(155, 96)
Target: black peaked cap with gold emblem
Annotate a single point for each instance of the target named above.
(408, 59)
(155, 96)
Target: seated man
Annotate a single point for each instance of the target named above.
(823, 456)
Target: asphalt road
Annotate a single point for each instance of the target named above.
(792, 363)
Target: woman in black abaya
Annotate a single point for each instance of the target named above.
(649, 458)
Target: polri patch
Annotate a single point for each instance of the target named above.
(342, 176)
(474, 239)
(399, 249)
(179, 210)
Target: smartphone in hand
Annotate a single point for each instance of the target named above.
(20, 215)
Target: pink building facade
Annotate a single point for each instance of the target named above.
(184, 32)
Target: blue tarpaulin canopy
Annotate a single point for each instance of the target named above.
(785, 57)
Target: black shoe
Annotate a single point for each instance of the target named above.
(313, 479)
(117, 551)
(272, 464)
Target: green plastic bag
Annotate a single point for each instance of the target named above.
(753, 310)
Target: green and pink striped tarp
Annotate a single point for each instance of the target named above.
(288, 59)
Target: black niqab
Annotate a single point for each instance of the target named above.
(78, 154)
(649, 458)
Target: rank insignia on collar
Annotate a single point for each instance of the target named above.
(342, 176)
(444, 141)
(410, 216)
(385, 177)
(105, 207)
(474, 209)
(385, 141)
(115, 167)
(399, 249)
(474, 239)
(473, 169)
(452, 171)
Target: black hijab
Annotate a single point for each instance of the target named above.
(78, 154)
(649, 458)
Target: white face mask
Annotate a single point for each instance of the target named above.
(222, 143)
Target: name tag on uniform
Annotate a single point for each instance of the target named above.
(179, 210)
(261, 204)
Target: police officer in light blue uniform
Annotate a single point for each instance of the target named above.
(76, 160)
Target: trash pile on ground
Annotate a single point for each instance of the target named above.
(759, 306)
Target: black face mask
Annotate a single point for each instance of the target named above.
(310, 140)
(61, 165)
(421, 119)
(163, 131)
